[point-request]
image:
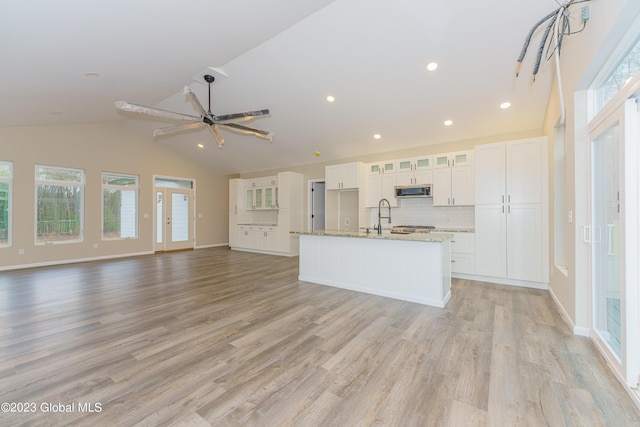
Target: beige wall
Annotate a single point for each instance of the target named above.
(97, 149)
(582, 56)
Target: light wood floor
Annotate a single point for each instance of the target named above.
(218, 337)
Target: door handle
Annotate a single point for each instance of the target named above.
(586, 234)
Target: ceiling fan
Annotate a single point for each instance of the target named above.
(206, 117)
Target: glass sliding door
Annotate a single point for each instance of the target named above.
(615, 225)
(606, 247)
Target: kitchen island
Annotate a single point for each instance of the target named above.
(411, 267)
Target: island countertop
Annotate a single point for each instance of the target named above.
(413, 237)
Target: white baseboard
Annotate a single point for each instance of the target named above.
(217, 245)
(72, 261)
(502, 281)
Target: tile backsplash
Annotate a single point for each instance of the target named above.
(422, 212)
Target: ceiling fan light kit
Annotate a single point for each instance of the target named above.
(206, 117)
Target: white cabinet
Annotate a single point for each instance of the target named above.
(261, 193)
(511, 213)
(263, 212)
(462, 252)
(415, 171)
(266, 238)
(343, 177)
(453, 179)
(381, 180)
(236, 208)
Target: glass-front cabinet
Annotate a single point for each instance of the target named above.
(261, 193)
(415, 171)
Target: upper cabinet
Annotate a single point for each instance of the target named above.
(343, 177)
(415, 171)
(261, 193)
(381, 180)
(453, 179)
(513, 172)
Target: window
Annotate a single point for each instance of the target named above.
(6, 175)
(119, 206)
(59, 200)
(622, 73)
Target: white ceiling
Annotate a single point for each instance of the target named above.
(285, 55)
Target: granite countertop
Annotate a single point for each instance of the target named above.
(259, 224)
(454, 230)
(413, 237)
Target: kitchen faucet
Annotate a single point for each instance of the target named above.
(380, 203)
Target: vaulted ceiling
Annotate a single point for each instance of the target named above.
(285, 55)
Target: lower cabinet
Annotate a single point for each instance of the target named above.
(258, 237)
(463, 258)
(510, 242)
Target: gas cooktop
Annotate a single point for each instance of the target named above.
(407, 229)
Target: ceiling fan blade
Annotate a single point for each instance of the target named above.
(194, 101)
(250, 131)
(155, 112)
(240, 117)
(217, 135)
(173, 129)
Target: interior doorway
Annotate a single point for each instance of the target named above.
(316, 205)
(174, 214)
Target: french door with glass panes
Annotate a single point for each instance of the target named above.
(174, 219)
(613, 235)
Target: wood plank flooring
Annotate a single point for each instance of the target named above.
(225, 338)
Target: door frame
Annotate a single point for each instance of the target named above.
(192, 224)
(310, 202)
(627, 366)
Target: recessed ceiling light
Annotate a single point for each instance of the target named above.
(200, 145)
(377, 136)
(432, 66)
(448, 122)
(92, 75)
(330, 98)
(505, 105)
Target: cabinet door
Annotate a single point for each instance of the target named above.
(423, 163)
(373, 169)
(404, 178)
(462, 188)
(269, 201)
(405, 165)
(259, 198)
(524, 242)
(441, 160)
(461, 158)
(333, 177)
(423, 176)
(350, 175)
(387, 188)
(524, 171)
(491, 240)
(249, 199)
(442, 187)
(490, 174)
(374, 190)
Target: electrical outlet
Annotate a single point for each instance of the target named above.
(95, 246)
(20, 251)
(585, 13)
(347, 221)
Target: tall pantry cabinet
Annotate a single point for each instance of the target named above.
(512, 211)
